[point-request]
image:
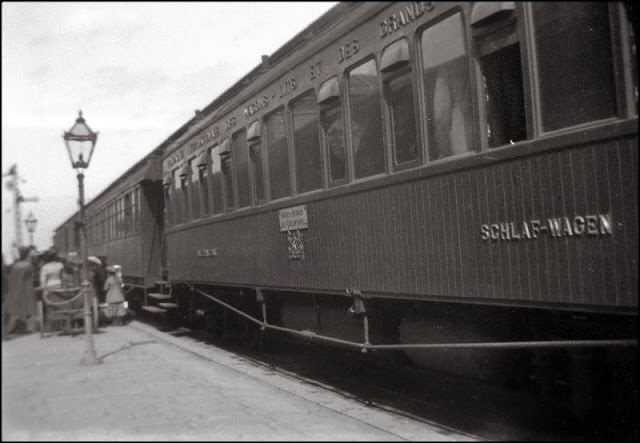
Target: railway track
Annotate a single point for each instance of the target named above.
(388, 382)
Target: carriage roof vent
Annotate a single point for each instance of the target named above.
(395, 55)
(484, 12)
(329, 91)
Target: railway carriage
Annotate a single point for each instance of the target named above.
(440, 164)
(454, 180)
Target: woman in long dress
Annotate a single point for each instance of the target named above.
(114, 298)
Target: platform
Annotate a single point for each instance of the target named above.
(152, 385)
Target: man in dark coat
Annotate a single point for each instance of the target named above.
(98, 277)
(20, 302)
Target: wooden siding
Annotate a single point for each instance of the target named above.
(423, 237)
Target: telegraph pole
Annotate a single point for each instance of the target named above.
(18, 199)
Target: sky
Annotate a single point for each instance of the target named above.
(136, 70)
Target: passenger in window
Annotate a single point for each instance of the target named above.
(366, 122)
(450, 106)
(447, 88)
(332, 124)
(399, 94)
(497, 53)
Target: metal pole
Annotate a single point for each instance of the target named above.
(30, 238)
(90, 357)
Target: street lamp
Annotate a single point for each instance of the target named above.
(31, 223)
(80, 141)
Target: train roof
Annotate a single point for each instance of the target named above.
(318, 27)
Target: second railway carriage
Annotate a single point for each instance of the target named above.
(401, 175)
(124, 224)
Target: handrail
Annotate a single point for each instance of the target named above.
(364, 346)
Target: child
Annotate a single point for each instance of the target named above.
(115, 298)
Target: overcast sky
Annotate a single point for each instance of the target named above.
(138, 71)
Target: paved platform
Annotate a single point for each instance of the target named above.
(154, 386)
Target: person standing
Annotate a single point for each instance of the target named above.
(115, 297)
(51, 272)
(98, 277)
(21, 303)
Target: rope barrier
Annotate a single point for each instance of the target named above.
(48, 301)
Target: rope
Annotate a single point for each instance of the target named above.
(45, 295)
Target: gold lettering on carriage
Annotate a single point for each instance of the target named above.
(206, 252)
(293, 218)
(555, 227)
(403, 17)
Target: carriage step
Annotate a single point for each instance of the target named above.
(168, 305)
(159, 296)
(154, 309)
(162, 283)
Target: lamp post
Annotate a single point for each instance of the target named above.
(31, 223)
(80, 141)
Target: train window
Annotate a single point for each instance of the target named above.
(277, 155)
(134, 210)
(185, 171)
(127, 214)
(366, 121)
(109, 235)
(103, 225)
(166, 185)
(447, 88)
(118, 217)
(201, 164)
(399, 97)
(195, 189)
(137, 210)
(575, 63)
(307, 155)
(241, 159)
(257, 170)
(256, 161)
(398, 92)
(123, 215)
(332, 123)
(227, 174)
(497, 51)
(176, 195)
(176, 178)
(109, 222)
(217, 198)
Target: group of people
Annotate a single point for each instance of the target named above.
(33, 276)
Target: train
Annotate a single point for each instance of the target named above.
(456, 182)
